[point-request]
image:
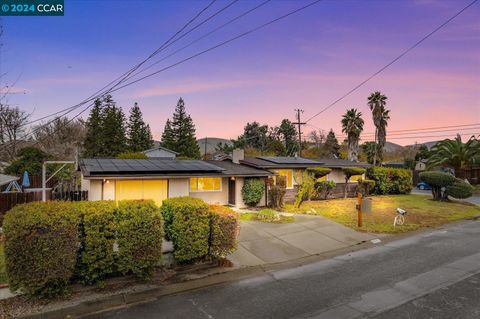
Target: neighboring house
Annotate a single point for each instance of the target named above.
(160, 152)
(336, 165)
(214, 182)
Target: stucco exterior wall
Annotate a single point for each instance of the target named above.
(95, 191)
(239, 203)
(178, 187)
(214, 197)
(336, 175)
(109, 190)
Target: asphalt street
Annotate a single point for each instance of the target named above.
(428, 275)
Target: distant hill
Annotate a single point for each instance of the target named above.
(429, 145)
(392, 147)
(211, 143)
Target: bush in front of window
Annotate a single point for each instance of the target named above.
(187, 225)
(139, 227)
(305, 191)
(224, 230)
(252, 191)
(41, 243)
(324, 188)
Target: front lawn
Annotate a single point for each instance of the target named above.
(3, 275)
(422, 212)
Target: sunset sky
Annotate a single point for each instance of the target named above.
(306, 61)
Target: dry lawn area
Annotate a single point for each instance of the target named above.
(422, 212)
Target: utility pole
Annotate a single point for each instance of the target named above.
(299, 123)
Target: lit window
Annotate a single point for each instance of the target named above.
(355, 178)
(204, 184)
(322, 179)
(288, 174)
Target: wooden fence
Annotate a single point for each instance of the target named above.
(74, 196)
(9, 200)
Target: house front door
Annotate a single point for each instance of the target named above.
(231, 191)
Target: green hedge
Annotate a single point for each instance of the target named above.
(49, 244)
(97, 236)
(252, 191)
(460, 189)
(324, 188)
(224, 229)
(437, 179)
(187, 225)
(390, 180)
(139, 237)
(41, 243)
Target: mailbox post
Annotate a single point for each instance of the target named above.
(359, 209)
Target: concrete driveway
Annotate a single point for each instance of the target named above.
(264, 243)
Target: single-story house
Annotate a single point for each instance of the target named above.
(160, 152)
(291, 168)
(214, 182)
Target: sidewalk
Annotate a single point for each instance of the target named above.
(265, 243)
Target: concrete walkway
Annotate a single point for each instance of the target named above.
(264, 243)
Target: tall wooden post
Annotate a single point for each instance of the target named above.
(359, 209)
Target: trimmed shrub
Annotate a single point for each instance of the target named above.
(276, 194)
(324, 188)
(365, 185)
(437, 181)
(305, 191)
(460, 189)
(349, 172)
(187, 224)
(41, 243)
(224, 230)
(139, 237)
(319, 172)
(97, 236)
(252, 191)
(389, 180)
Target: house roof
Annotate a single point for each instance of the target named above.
(156, 167)
(273, 162)
(161, 148)
(232, 169)
(339, 163)
(110, 167)
(6, 179)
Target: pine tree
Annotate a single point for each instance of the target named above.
(93, 143)
(113, 129)
(139, 134)
(168, 139)
(331, 144)
(179, 134)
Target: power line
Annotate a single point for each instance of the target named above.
(126, 75)
(393, 61)
(221, 44)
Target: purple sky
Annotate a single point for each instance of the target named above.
(307, 60)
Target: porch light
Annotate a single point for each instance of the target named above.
(232, 178)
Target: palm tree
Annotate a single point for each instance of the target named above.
(455, 154)
(377, 102)
(352, 125)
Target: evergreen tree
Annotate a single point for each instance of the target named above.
(139, 134)
(288, 134)
(93, 144)
(105, 130)
(113, 129)
(168, 139)
(331, 144)
(179, 134)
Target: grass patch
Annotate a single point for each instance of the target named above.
(422, 212)
(3, 275)
(477, 189)
(267, 216)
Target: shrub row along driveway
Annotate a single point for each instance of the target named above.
(263, 243)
